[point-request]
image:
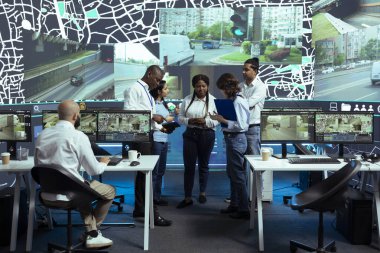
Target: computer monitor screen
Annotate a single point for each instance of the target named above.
(287, 126)
(88, 122)
(15, 126)
(124, 126)
(344, 127)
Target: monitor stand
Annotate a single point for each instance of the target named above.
(11, 148)
(284, 153)
(341, 154)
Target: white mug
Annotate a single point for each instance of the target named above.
(133, 155)
(266, 153)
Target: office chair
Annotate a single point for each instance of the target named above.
(60, 181)
(327, 195)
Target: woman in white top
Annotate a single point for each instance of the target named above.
(199, 137)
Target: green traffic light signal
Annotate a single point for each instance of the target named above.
(240, 20)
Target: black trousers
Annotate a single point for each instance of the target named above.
(145, 148)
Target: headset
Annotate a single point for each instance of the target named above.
(373, 158)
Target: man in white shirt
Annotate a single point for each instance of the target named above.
(65, 147)
(137, 97)
(255, 91)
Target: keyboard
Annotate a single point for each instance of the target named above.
(321, 160)
(113, 160)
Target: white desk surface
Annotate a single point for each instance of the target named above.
(275, 164)
(18, 166)
(147, 163)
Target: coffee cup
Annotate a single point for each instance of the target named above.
(5, 157)
(265, 154)
(133, 155)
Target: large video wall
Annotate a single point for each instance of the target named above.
(323, 50)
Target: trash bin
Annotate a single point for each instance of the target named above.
(6, 211)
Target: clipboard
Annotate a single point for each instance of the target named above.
(226, 108)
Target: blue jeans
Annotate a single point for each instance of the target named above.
(197, 144)
(236, 146)
(161, 149)
(253, 139)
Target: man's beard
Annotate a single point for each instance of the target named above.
(77, 122)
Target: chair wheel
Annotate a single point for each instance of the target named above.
(119, 208)
(293, 249)
(300, 210)
(333, 249)
(122, 199)
(285, 199)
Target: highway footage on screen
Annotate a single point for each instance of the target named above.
(13, 127)
(287, 127)
(123, 126)
(87, 125)
(344, 128)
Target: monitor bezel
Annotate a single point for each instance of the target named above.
(129, 112)
(347, 113)
(28, 130)
(281, 112)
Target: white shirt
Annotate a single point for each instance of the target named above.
(242, 116)
(137, 97)
(65, 147)
(198, 110)
(255, 93)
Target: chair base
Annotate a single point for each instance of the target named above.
(119, 204)
(294, 245)
(73, 249)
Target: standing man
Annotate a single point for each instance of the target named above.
(65, 147)
(255, 91)
(137, 97)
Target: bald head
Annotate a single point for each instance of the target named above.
(67, 110)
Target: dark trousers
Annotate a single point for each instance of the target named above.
(161, 149)
(145, 148)
(197, 144)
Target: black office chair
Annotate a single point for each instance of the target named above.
(60, 181)
(327, 195)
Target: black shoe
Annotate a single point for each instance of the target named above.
(244, 215)
(229, 209)
(184, 203)
(161, 221)
(202, 199)
(138, 214)
(161, 202)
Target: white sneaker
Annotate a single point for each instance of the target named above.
(98, 242)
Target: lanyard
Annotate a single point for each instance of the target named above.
(149, 96)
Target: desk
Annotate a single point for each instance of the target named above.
(19, 168)
(147, 164)
(274, 164)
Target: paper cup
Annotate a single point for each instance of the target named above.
(5, 157)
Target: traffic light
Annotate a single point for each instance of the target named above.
(240, 19)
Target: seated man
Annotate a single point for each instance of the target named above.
(65, 147)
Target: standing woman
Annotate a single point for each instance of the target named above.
(198, 138)
(160, 141)
(236, 146)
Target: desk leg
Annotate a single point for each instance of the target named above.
(253, 200)
(32, 201)
(148, 208)
(16, 205)
(377, 200)
(259, 196)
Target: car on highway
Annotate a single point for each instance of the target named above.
(375, 72)
(76, 80)
(328, 70)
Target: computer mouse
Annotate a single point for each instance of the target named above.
(134, 163)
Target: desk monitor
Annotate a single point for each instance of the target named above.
(15, 126)
(88, 122)
(124, 126)
(344, 128)
(287, 126)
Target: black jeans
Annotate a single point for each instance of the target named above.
(197, 144)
